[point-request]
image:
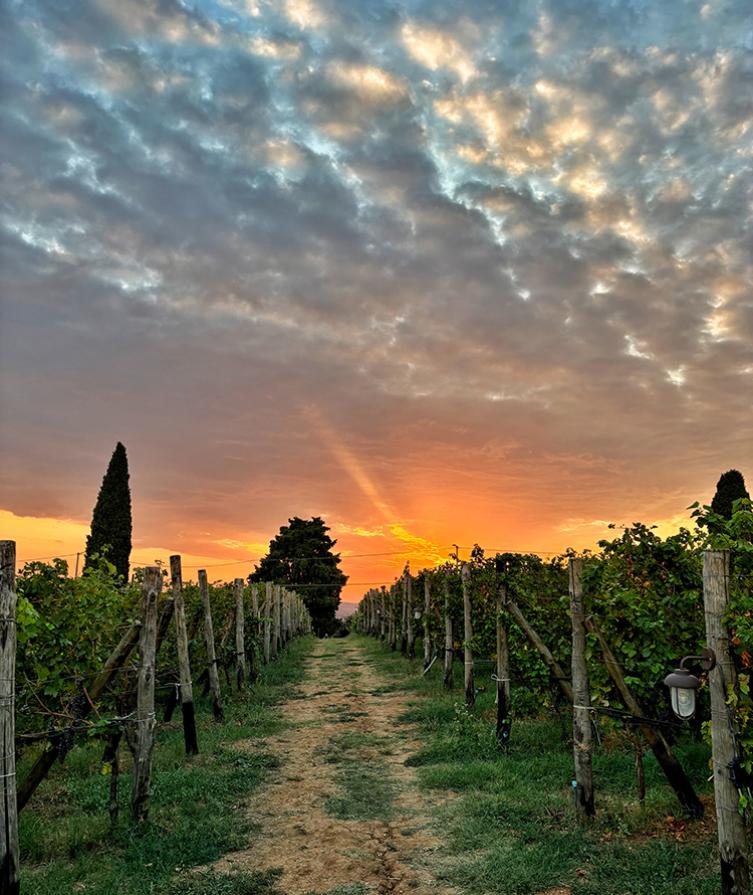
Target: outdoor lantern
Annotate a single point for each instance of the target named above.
(417, 614)
(682, 684)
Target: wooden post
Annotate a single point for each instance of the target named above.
(184, 664)
(9, 863)
(275, 620)
(584, 792)
(449, 649)
(503, 669)
(404, 619)
(214, 678)
(733, 851)
(253, 657)
(411, 644)
(240, 634)
(145, 720)
(382, 613)
(470, 686)
(267, 622)
(427, 610)
(392, 633)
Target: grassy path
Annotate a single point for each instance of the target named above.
(343, 815)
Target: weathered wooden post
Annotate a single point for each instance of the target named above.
(427, 610)
(411, 644)
(240, 634)
(383, 613)
(733, 850)
(267, 621)
(276, 620)
(145, 720)
(449, 650)
(9, 862)
(404, 619)
(253, 658)
(470, 686)
(214, 678)
(184, 664)
(504, 723)
(391, 626)
(584, 791)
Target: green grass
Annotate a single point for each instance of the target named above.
(365, 791)
(196, 812)
(509, 822)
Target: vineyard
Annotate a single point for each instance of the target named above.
(135, 718)
(99, 661)
(597, 634)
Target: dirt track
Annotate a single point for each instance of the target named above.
(343, 714)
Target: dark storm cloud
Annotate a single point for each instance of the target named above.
(530, 218)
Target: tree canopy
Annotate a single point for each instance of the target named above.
(729, 488)
(301, 557)
(111, 520)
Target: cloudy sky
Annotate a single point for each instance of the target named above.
(440, 272)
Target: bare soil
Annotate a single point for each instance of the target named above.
(342, 698)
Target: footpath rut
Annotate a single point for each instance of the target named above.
(343, 811)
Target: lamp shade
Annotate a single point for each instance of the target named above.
(682, 686)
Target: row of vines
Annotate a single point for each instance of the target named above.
(643, 611)
(100, 659)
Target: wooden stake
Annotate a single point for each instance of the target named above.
(503, 670)
(427, 610)
(253, 657)
(214, 678)
(268, 622)
(145, 720)
(392, 633)
(584, 792)
(733, 851)
(240, 634)
(9, 862)
(411, 644)
(184, 663)
(275, 620)
(449, 649)
(470, 686)
(404, 620)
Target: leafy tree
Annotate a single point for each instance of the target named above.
(111, 520)
(301, 557)
(729, 488)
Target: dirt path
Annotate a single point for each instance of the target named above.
(344, 814)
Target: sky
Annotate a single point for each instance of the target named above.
(439, 272)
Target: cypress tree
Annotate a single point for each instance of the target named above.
(111, 520)
(729, 488)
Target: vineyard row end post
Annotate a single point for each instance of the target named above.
(733, 851)
(9, 855)
(582, 746)
(145, 719)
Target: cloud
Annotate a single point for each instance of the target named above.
(505, 257)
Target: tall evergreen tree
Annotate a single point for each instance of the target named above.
(729, 488)
(301, 556)
(111, 520)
